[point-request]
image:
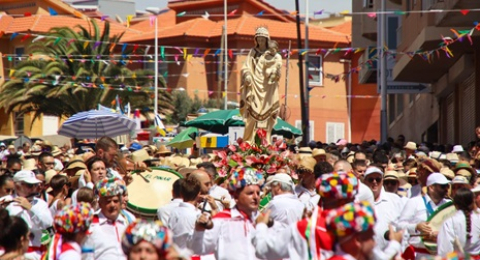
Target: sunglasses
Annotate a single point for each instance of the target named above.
(29, 185)
(443, 186)
(390, 182)
(370, 180)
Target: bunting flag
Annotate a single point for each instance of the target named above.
(181, 14)
(52, 11)
(159, 125)
(129, 19)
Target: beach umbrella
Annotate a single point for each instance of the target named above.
(285, 129)
(184, 139)
(95, 124)
(217, 121)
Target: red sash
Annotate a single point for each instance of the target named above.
(323, 240)
(66, 247)
(337, 257)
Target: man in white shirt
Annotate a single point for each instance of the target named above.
(228, 236)
(164, 212)
(108, 225)
(388, 206)
(285, 208)
(34, 211)
(305, 189)
(417, 210)
(182, 218)
(217, 192)
(364, 193)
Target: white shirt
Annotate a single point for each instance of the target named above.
(105, 237)
(365, 194)
(415, 212)
(38, 218)
(218, 192)
(229, 239)
(73, 254)
(163, 212)
(415, 190)
(455, 227)
(182, 223)
(309, 198)
(388, 208)
(286, 208)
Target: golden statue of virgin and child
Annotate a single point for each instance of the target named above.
(259, 104)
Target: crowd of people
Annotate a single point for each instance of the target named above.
(398, 200)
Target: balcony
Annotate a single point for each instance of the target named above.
(417, 69)
(369, 27)
(455, 19)
(368, 74)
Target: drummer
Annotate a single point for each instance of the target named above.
(461, 228)
(418, 209)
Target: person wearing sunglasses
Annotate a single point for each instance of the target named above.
(418, 209)
(388, 206)
(24, 203)
(6, 186)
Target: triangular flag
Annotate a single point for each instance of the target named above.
(372, 14)
(206, 16)
(181, 14)
(230, 54)
(184, 53)
(206, 52)
(464, 11)
(85, 44)
(52, 12)
(103, 17)
(27, 14)
(152, 20)
(261, 13)
(13, 36)
(224, 93)
(210, 93)
(124, 47)
(232, 13)
(129, 19)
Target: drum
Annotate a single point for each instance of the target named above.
(435, 221)
(144, 198)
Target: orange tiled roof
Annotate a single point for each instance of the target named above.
(5, 21)
(245, 26)
(43, 23)
(345, 28)
(166, 19)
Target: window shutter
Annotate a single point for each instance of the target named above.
(468, 111)
(450, 119)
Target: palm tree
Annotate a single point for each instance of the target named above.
(66, 75)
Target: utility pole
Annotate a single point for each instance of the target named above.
(383, 75)
(303, 92)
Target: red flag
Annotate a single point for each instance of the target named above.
(230, 54)
(232, 13)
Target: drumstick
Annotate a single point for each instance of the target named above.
(143, 177)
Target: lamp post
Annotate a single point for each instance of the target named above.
(225, 61)
(349, 98)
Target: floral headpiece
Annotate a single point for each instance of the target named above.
(243, 177)
(262, 156)
(110, 187)
(351, 218)
(150, 231)
(338, 185)
(73, 218)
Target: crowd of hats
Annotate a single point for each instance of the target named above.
(110, 187)
(337, 185)
(149, 231)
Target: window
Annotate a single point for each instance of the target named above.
(149, 64)
(19, 52)
(368, 3)
(19, 123)
(298, 124)
(392, 26)
(315, 70)
(409, 6)
(391, 108)
(335, 131)
(400, 100)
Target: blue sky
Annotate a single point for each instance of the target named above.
(315, 5)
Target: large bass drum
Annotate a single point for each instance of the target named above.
(144, 198)
(435, 221)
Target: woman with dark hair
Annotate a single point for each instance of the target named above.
(14, 236)
(6, 185)
(463, 228)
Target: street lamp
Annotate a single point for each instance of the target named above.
(349, 98)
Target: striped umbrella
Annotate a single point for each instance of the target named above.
(95, 124)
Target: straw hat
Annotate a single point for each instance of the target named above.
(29, 164)
(49, 175)
(76, 162)
(195, 161)
(305, 150)
(412, 173)
(391, 175)
(56, 151)
(179, 162)
(35, 150)
(46, 143)
(452, 158)
(142, 155)
(464, 169)
(318, 152)
(448, 173)
(186, 170)
(411, 146)
(307, 163)
(163, 150)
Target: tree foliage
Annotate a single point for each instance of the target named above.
(66, 75)
(184, 105)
